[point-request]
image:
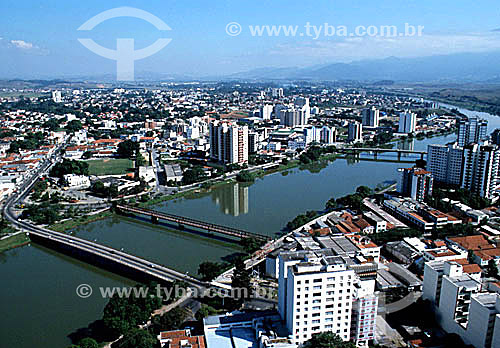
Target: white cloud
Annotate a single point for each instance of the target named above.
(22, 44)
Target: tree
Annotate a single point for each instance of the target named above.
(73, 126)
(327, 340)
(250, 245)
(127, 149)
(364, 191)
(88, 343)
(172, 320)
(331, 204)
(69, 167)
(137, 338)
(492, 269)
(241, 279)
(195, 174)
(209, 270)
(139, 160)
(245, 176)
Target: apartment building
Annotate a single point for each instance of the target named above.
(480, 169)
(370, 117)
(472, 130)
(445, 163)
(407, 122)
(416, 183)
(355, 132)
(228, 142)
(319, 291)
(460, 306)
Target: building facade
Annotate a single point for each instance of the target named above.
(370, 117)
(416, 183)
(472, 130)
(228, 143)
(407, 122)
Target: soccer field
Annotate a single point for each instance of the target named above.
(110, 166)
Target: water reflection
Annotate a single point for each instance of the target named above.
(232, 199)
(406, 144)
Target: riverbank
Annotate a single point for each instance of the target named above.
(14, 241)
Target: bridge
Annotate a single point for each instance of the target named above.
(377, 150)
(184, 221)
(89, 251)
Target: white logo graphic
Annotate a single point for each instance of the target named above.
(233, 29)
(125, 55)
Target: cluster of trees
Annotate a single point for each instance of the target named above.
(354, 200)
(245, 176)
(127, 149)
(466, 197)
(39, 188)
(394, 234)
(52, 124)
(193, 175)
(44, 213)
(123, 314)
(314, 153)
(301, 219)
(327, 340)
(69, 167)
(380, 139)
(99, 189)
(209, 270)
(74, 126)
(30, 142)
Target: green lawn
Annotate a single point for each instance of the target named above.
(13, 241)
(109, 166)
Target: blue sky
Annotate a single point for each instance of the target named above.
(39, 37)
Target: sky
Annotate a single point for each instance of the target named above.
(39, 38)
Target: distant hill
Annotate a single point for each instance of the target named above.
(461, 67)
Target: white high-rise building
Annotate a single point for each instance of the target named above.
(228, 142)
(355, 132)
(318, 293)
(277, 92)
(445, 163)
(371, 117)
(472, 130)
(461, 308)
(407, 122)
(480, 169)
(328, 135)
(56, 96)
(265, 111)
(302, 105)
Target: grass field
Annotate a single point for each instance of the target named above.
(14, 241)
(109, 166)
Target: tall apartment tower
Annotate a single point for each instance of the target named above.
(265, 111)
(472, 130)
(328, 135)
(460, 305)
(228, 143)
(355, 132)
(277, 92)
(56, 96)
(407, 122)
(318, 292)
(495, 136)
(416, 183)
(445, 163)
(302, 106)
(480, 169)
(371, 117)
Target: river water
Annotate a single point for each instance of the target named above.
(38, 298)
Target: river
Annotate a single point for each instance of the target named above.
(38, 296)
